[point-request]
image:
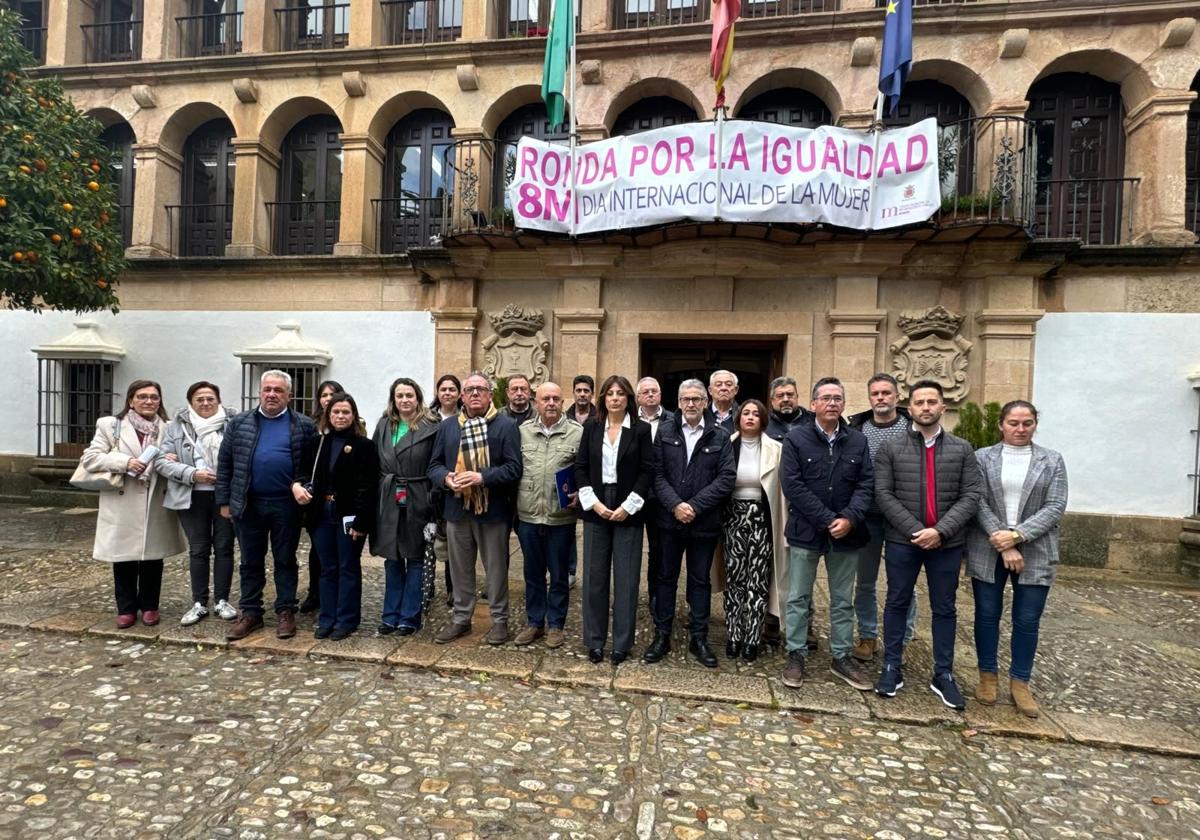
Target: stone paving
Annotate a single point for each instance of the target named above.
(167, 731)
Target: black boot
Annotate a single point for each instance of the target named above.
(698, 648)
(732, 649)
(311, 602)
(659, 648)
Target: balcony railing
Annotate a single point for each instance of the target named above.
(781, 8)
(643, 14)
(200, 230)
(1096, 211)
(526, 18)
(304, 227)
(117, 41)
(987, 166)
(408, 222)
(882, 4)
(1192, 209)
(33, 38)
(422, 21)
(213, 34)
(314, 27)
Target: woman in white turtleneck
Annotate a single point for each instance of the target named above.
(749, 530)
(1015, 538)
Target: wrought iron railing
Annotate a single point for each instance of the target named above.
(200, 230)
(314, 27)
(408, 222)
(421, 21)
(1192, 206)
(781, 8)
(987, 166)
(212, 34)
(643, 14)
(1095, 211)
(304, 227)
(33, 38)
(117, 41)
(526, 18)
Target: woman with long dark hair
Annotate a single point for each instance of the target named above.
(612, 470)
(446, 403)
(406, 515)
(134, 532)
(342, 474)
(312, 598)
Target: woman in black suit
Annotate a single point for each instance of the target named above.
(341, 495)
(613, 470)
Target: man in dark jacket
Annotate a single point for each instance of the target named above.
(786, 411)
(694, 472)
(258, 474)
(827, 480)
(650, 409)
(928, 485)
(723, 408)
(518, 405)
(477, 458)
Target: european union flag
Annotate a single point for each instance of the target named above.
(896, 58)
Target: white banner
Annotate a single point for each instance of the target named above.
(768, 173)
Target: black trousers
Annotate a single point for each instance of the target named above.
(137, 585)
(653, 550)
(699, 551)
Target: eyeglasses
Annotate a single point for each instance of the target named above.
(147, 397)
(830, 399)
(690, 400)
(476, 389)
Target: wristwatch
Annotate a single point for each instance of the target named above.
(1016, 536)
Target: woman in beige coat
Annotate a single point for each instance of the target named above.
(134, 531)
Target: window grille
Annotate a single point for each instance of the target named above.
(72, 395)
(305, 379)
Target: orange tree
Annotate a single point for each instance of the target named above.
(60, 239)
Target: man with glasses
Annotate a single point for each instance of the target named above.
(694, 473)
(259, 459)
(828, 482)
(477, 458)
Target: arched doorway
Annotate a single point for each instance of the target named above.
(651, 113)
(1192, 211)
(793, 107)
(206, 223)
(119, 137)
(418, 175)
(310, 188)
(526, 121)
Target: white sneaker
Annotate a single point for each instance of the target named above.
(226, 610)
(197, 612)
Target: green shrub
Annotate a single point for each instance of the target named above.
(980, 427)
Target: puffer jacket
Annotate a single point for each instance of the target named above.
(237, 455)
(900, 486)
(181, 473)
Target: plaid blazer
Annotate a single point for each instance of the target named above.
(1043, 502)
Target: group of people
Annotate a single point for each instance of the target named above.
(742, 497)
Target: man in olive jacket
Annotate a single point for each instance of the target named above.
(928, 485)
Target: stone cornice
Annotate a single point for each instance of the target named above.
(455, 319)
(579, 321)
(356, 142)
(1159, 105)
(1008, 323)
(856, 323)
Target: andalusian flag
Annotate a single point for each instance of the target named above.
(724, 13)
(895, 58)
(558, 57)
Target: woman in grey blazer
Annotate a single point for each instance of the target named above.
(1015, 537)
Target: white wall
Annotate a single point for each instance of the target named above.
(369, 350)
(1114, 399)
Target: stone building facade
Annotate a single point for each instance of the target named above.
(333, 164)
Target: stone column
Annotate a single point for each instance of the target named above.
(854, 322)
(579, 316)
(159, 30)
(362, 181)
(479, 20)
(260, 30)
(158, 182)
(256, 177)
(366, 24)
(454, 338)
(1156, 134)
(64, 38)
(593, 15)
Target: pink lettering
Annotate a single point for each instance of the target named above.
(890, 160)
(638, 158)
(660, 158)
(912, 165)
(831, 156)
(529, 157)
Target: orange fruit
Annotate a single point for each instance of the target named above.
(102, 283)
(95, 166)
(25, 169)
(39, 165)
(104, 217)
(76, 232)
(55, 238)
(93, 186)
(69, 207)
(18, 256)
(28, 138)
(32, 256)
(3, 202)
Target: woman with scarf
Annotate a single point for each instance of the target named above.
(406, 517)
(342, 473)
(134, 532)
(193, 440)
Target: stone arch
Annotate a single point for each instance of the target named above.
(647, 88)
(794, 77)
(506, 103)
(963, 79)
(1110, 65)
(185, 120)
(285, 116)
(107, 118)
(400, 106)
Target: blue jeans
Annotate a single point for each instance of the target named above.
(802, 574)
(341, 572)
(1027, 605)
(904, 562)
(402, 592)
(866, 604)
(277, 520)
(546, 548)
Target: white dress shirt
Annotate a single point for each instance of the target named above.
(653, 421)
(608, 470)
(691, 434)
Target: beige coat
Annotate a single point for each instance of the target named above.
(133, 524)
(768, 473)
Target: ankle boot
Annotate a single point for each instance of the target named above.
(985, 692)
(1023, 697)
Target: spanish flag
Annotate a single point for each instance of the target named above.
(724, 14)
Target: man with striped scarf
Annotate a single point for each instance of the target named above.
(477, 459)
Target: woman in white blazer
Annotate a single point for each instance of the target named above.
(753, 524)
(134, 532)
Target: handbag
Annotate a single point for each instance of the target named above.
(85, 479)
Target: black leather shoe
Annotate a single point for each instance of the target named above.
(322, 632)
(340, 633)
(749, 653)
(596, 655)
(732, 649)
(311, 602)
(703, 654)
(619, 656)
(659, 648)
(386, 629)
(405, 630)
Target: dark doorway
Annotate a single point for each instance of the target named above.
(671, 360)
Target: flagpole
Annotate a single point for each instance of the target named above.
(571, 114)
(720, 109)
(876, 132)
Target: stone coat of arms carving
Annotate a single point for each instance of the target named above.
(518, 346)
(932, 349)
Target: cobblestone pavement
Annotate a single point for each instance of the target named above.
(167, 731)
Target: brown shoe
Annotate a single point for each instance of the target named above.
(1023, 697)
(498, 635)
(985, 692)
(555, 637)
(528, 636)
(243, 627)
(451, 632)
(864, 651)
(287, 625)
